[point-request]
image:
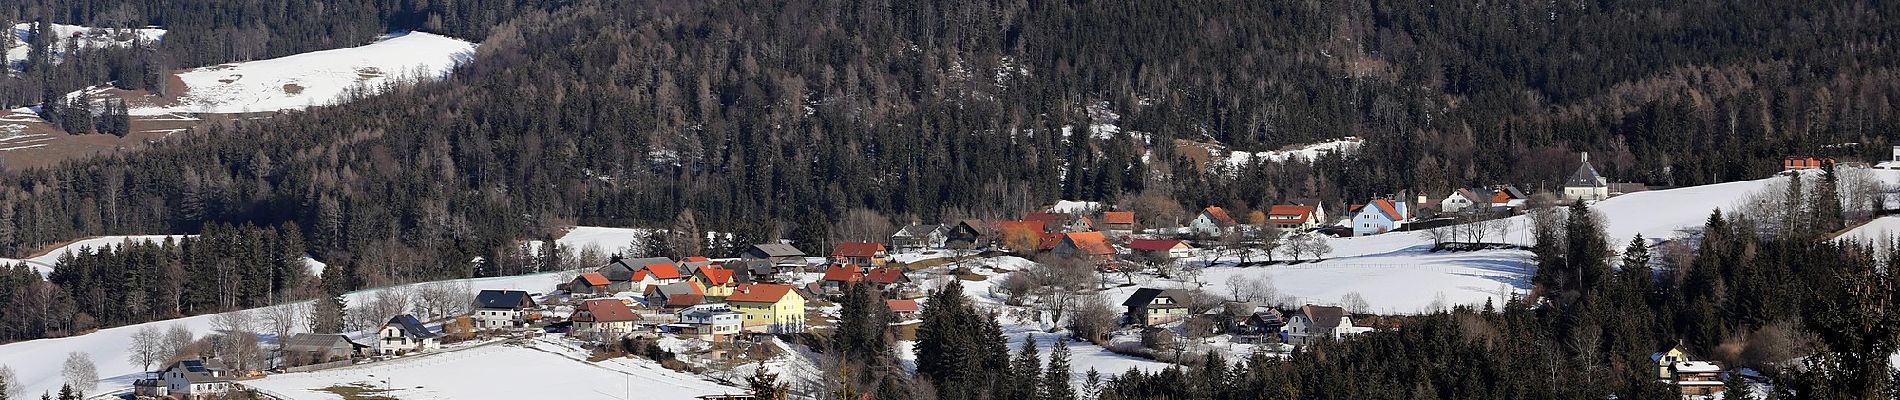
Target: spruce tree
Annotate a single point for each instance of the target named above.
(1738, 387)
(1027, 368)
(764, 385)
(1055, 381)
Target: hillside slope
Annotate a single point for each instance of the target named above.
(315, 78)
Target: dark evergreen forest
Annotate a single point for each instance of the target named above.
(777, 119)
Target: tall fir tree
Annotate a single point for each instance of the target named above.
(1055, 381)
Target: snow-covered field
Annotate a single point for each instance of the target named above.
(599, 238)
(315, 78)
(37, 361)
(44, 263)
(88, 37)
(535, 370)
(1876, 231)
(1306, 152)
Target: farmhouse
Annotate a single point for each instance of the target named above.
(187, 379)
(1378, 216)
(917, 238)
(1089, 247)
(1119, 225)
(315, 348)
(965, 234)
(496, 309)
(1315, 322)
(715, 280)
(1295, 217)
(404, 334)
(1151, 249)
(776, 253)
(603, 318)
(1150, 306)
(591, 282)
(860, 253)
(1212, 221)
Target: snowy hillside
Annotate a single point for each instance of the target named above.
(1305, 152)
(88, 37)
(555, 371)
(44, 263)
(108, 346)
(316, 78)
(604, 240)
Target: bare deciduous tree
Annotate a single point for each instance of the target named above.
(381, 306)
(80, 372)
(283, 319)
(177, 341)
(1257, 288)
(1354, 303)
(148, 347)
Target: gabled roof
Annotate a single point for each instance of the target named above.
(411, 327)
(658, 271)
(1471, 196)
(777, 250)
(1153, 244)
(200, 371)
(621, 269)
(603, 310)
(716, 275)
(886, 275)
(316, 342)
(1118, 217)
(918, 230)
(695, 259)
(843, 273)
(857, 249)
(1289, 213)
(1323, 316)
(1219, 215)
(683, 300)
(675, 289)
(976, 225)
(1089, 243)
(1049, 241)
(903, 305)
(1050, 221)
(1586, 176)
(508, 299)
(1143, 296)
(593, 279)
(759, 293)
(1033, 226)
(1386, 207)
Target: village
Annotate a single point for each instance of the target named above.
(1055, 270)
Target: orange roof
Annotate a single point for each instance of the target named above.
(1219, 215)
(843, 273)
(1386, 207)
(685, 299)
(716, 275)
(696, 259)
(659, 271)
(603, 310)
(857, 249)
(1153, 244)
(885, 275)
(594, 279)
(759, 293)
(903, 305)
(1035, 226)
(1049, 241)
(1298, 213)
(1092, 243)
(1118, 217)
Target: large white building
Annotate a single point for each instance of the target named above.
(1314, 322)
(1585, 184)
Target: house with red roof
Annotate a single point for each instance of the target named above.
(1157, 248)
(657, 274)
(603, 318)
(589, 283)
(839, 276)
(1021, 236)
(1212, 221)
(904, 309)
(1295, 217)
(1091, 247)
(769, 308)
(860, 253)
(1051, 222)
(887, 279)
(716, 280)
(1380, 215)
(1118, 224)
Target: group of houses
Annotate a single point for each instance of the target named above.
(1152, 307)
(698, 296)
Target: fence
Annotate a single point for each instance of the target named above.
(319, 366)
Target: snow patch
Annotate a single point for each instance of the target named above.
(316, 78)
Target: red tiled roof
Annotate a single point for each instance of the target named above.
(1386, 207)
(903, 305)
(685, 299)
(1049, 241)
(885, 275)
(603, 310)
(696, 259)
(1219, 215)
(1152, 244)
(716, 275)
(594, 279)
(1298, 212)
(1034, 226)
(659, 271)
(857, 249)
(843, 273)
(1048, 219)
(1118, 217)
(1092, 243)
(759, 293)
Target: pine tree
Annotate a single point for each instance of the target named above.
(66, 392)
(327, 316)
(764, 385)
(1027, 368)
(1055, 384)
(1738, 387)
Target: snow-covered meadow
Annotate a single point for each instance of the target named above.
(316, 78)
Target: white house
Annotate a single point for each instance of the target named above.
(187, 379)
(710, 322)
(1462, 200)
(1379, 216)
(1212, 221)
(1293, 216)
(404, 334)
(1314, 322)
(917, 238)
(497, 309)
(1585, 184)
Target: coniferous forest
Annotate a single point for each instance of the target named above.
(778, 119)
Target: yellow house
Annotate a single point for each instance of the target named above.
(714, 281)
(769, 308)
(1667, 358)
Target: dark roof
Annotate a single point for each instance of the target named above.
(1153, 244)
(411, 327)
(1586, 176)
(1143, 296)
(200, 371)
(918, 230)
(777, 250)
(1323, 316)
(316, 342)
(676, 289)
(509, 299)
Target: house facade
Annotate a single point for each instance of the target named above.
(716, 280)
(1212, 221)
(1585, 184)
(1089, 247)
(1295, 217)
(498, 309)
(188, 379)
(1315, 322)
(1378, 216)
(710, 322)
(603, 318)
(917, 238)
(404, 334)
(1158, 248)
(1119, 225)
(1463, 200)
(965, 235)
(860, 253)
(1150, 306)
(769, 308)
(590, 283)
